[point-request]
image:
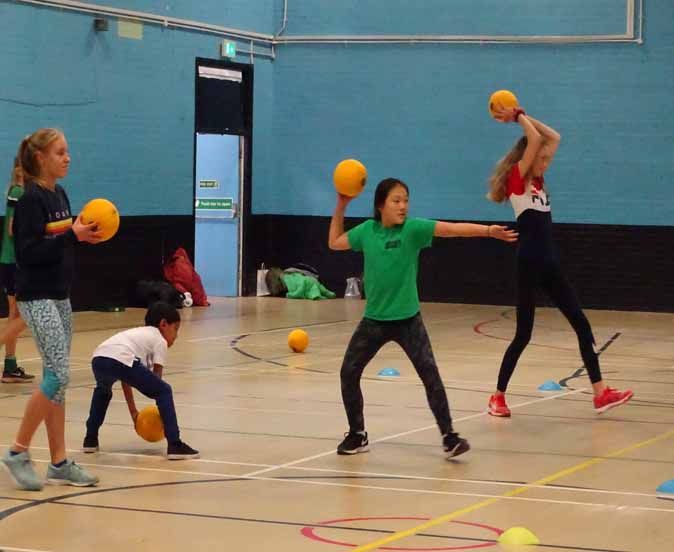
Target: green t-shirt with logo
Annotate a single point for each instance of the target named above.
(7, 255)
(391, 264)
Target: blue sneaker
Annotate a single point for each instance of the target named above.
(70, 474)
(20, 470)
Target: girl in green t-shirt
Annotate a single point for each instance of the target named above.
(391, 243)
(12, 373)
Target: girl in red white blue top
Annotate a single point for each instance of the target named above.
(518, 177)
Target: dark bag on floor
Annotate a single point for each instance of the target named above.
(150, 291)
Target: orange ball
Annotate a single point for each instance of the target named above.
(149, 425)
(505, 98)
(104, 214)
(298, 340)
(349, 177)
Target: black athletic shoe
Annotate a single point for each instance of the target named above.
(17, 375)
(90, 444)
(354, 443)
(454, 445)
(181, 451)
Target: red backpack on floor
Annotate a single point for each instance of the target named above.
(178, 270)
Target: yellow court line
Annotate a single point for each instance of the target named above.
(514, 492)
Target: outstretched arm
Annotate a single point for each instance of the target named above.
(470, 230)
(337, 238)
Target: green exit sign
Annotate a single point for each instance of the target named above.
(215, 203)
(228, 49)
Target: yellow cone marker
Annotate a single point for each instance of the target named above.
(518, 535)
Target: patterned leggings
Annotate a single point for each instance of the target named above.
(50, 322)
(410, 334)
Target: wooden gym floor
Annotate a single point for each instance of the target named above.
(267, 422)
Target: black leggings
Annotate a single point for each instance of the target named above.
(372, 335)
(547, 275)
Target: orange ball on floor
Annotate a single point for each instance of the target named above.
(149, 425)
(298, 340)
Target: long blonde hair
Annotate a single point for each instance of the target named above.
(498, 182)
(30, 145)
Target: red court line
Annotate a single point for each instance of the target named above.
(310, 533)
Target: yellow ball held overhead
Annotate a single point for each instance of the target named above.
(505, 98)
(149, 425)
(298, 340)
(349, 177)
(104, 214)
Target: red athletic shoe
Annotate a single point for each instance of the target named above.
(498, 406)
(610, 398)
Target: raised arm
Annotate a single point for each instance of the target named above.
(470, 230)
(550, 136)
(534, 137)
(337, 239)
(534, 143)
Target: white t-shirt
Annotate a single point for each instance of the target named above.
(145, 344)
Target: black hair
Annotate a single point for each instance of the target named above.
(161, 311)
(382, 192)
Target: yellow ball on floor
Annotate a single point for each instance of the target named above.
(505, 98)
(149, 425)
(349, 177)
(298, 340)
(104, 214)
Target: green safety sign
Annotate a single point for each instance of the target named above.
(215, 203)
(229, 49)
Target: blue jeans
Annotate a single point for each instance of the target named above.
(108, 370)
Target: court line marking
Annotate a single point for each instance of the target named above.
(11, 549)
(271, 330)
(151, 456)
(511, 494)
(402, 434)
(217, 407)
(62, 501)
(290, 479)
(350, 472)
(410, 432)
(312, 325)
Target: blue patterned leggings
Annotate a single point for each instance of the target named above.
(50, 322)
